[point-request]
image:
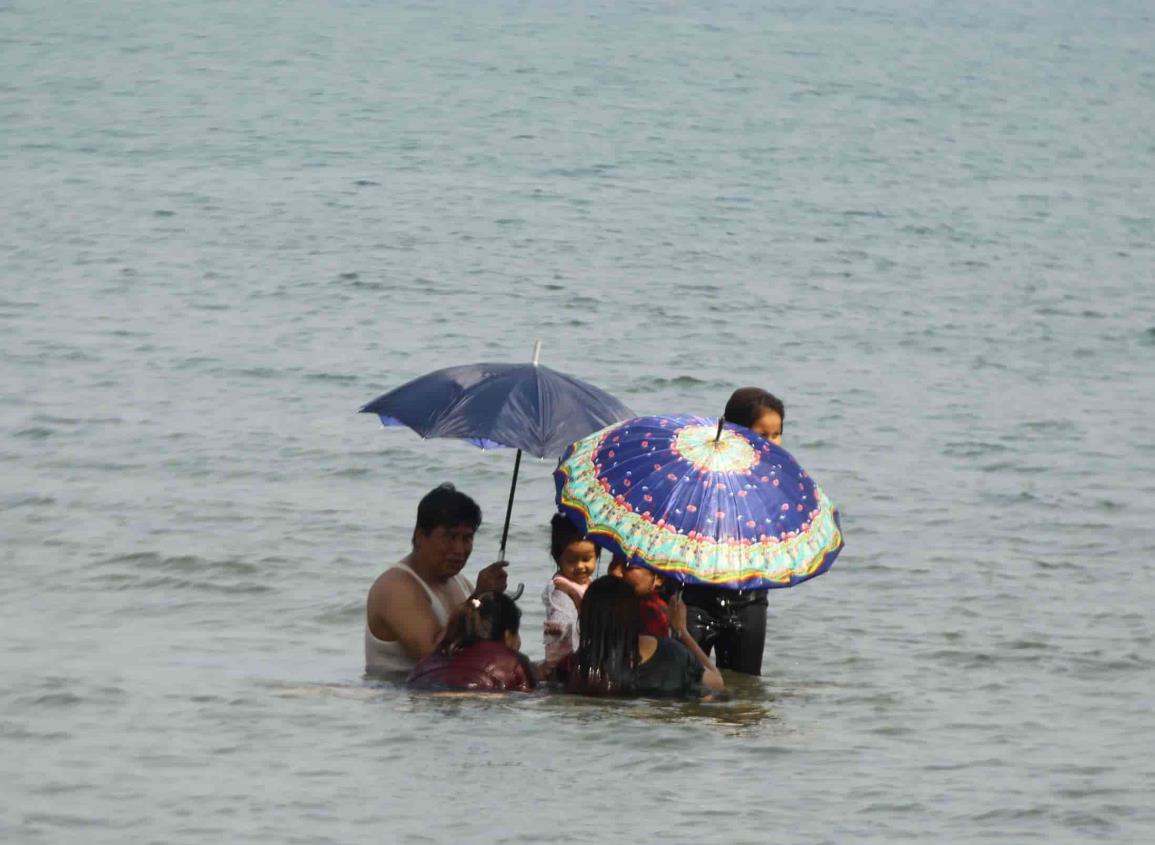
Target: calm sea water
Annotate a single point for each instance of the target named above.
(930, 226)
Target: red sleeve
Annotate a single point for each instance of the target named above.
(655, 616)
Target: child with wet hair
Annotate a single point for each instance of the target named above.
(576, 559)
(479, 651)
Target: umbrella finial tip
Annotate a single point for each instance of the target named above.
(536, 350)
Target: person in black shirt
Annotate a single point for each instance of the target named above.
(615, 658)
(731, 623)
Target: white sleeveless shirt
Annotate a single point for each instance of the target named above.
(385, 657)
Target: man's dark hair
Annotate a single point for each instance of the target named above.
(444, 505)
(747, 404)
(562, 532)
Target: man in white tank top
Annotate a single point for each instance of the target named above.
(410, 603)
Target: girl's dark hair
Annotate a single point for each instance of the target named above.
(562, 532)
(489, 616)
(607, 658)
(747, 404)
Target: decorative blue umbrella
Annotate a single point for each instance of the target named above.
(701, 501)
(527, 407)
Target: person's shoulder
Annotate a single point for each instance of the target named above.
(393, 585)
(649, 647)
(396, 575)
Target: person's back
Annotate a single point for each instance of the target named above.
(616, 658)
(484, 666)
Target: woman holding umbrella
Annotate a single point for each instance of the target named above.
(733, 624)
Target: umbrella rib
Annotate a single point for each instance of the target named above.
(540, 410)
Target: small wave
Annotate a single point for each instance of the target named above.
(147, 571)
(154, 562)
(65, 820)
(651, 385)
(973, 449)
(57, 699)
(580, 172)
(170, 583)
(26, 502)
(85, 421)
(258, 372)
(341, 614)
(337, 377)
(37, 432)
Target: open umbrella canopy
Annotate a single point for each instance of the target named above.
(527, 407)
(521, 406)
(700, 502)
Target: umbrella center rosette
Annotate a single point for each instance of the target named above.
(729, 510)
(702, 446)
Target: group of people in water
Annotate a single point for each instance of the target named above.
(623, 633)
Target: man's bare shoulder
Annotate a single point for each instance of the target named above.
(394, 580)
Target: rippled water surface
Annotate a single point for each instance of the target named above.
(929, 226)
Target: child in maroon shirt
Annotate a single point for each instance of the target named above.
(479, 651)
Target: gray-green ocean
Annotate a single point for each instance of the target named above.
(224, 226)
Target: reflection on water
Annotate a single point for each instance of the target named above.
(747, 704)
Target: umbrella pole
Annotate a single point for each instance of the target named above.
(516, 467)
(509, 507)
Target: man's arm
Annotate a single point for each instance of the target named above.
(401, 608)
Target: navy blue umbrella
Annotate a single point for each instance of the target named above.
(527, 407)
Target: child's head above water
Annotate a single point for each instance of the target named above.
(641, 580)
(493, 617)
(758, 410)
(575, 556)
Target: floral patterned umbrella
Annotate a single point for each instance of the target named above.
(702, 502)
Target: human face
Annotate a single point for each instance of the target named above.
(641, 580)
(444, 551)
(769, 425)
(578, 561)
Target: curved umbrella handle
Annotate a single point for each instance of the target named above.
(516, 594)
